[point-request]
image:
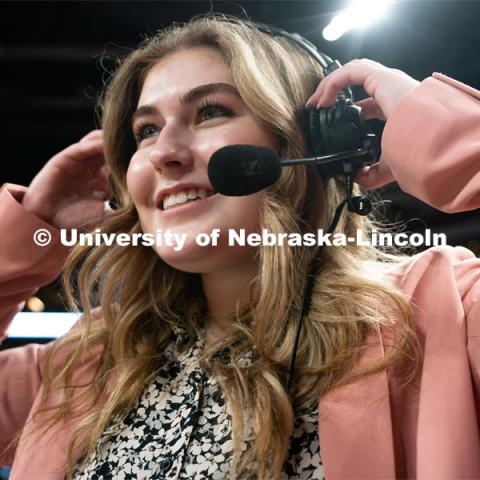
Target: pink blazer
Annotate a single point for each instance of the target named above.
(369, 429)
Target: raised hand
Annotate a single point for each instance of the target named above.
(72, 188)
(385, 86)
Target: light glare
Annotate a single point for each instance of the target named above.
(359, 14)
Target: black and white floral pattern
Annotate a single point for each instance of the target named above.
(181, 429)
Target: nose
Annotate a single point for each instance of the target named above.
(171, 154)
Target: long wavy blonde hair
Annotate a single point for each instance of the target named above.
(142, 299)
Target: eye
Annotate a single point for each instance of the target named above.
(143, 131)
(208, 110)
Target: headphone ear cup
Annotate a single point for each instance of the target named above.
(312, 131)
(336, 129)
(328, 130)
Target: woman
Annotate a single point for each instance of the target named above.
(180, 371)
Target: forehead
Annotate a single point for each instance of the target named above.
(181, 71)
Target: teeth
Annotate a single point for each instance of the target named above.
(180, 198)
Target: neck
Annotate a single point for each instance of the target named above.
(223, 290)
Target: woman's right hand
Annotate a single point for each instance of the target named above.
(385, 86)
(72, 188)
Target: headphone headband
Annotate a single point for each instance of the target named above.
(328, 65)
(324, 60)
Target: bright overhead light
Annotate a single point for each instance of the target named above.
(359, 14)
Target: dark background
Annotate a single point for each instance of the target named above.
(51, 72)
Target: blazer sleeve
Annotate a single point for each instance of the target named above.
(431, 142)
(24, 267)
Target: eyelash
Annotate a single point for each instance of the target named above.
(139, 130)
(206, 104)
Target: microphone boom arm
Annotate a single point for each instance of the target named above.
(326, 159)
(332, 164)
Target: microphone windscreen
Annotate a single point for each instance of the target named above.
(237, 170)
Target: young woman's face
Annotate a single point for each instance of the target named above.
(188, 109)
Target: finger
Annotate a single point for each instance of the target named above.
(12, 186)
(104, 171)
(94, 166)
(81, 150)
(375, 176)
(102, 191)
(83, 157)
(93, 135)
(97, 220)
(100, 181)
(97, 187)
(371, 109)
(107, 188)
(342, 79)
(100, 195)
(356, 72)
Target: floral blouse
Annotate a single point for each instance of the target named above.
(181, 428)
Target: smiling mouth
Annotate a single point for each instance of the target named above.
(183, 197)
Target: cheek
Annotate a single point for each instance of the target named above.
(208, 143)
(137, 181)
(244, 131)
(243, 212)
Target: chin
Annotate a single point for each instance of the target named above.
(191, 259)
(195, 259)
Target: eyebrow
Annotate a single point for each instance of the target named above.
(188, 98)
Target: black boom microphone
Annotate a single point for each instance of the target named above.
(237, 170)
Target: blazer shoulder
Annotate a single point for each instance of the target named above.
(444, 261)
(442, 283)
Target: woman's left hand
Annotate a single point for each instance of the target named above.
(385, 86)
